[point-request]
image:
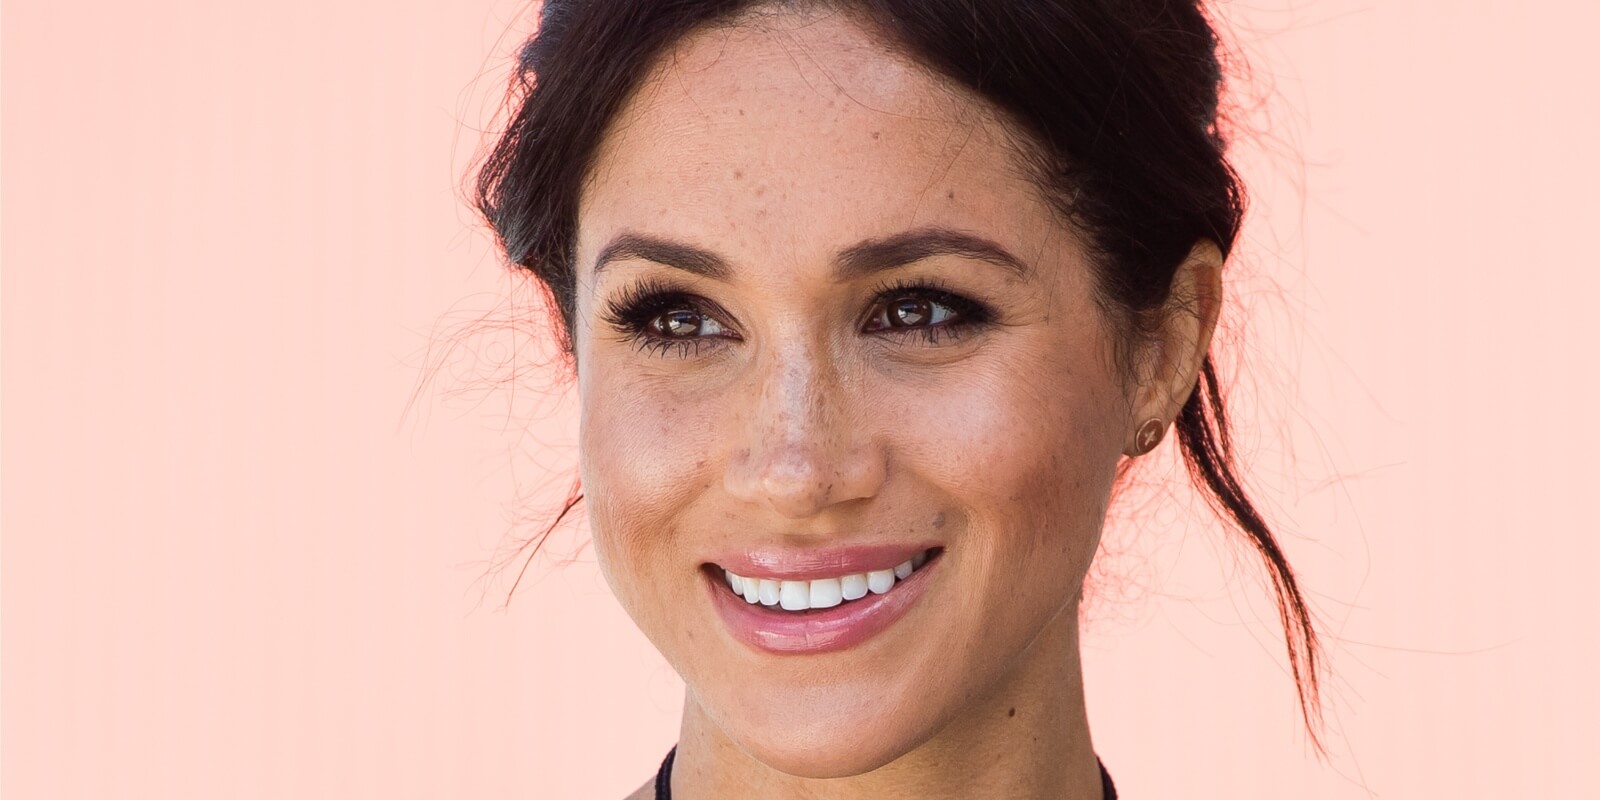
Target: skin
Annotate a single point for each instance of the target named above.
(776, 145)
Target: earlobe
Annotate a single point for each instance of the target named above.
(1147, 437)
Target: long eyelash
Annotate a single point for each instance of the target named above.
(661, 347)
(970, 313)
(631, 312)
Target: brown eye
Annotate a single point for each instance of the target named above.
(920, 310)
(909, 312)
(679, 323)
(683, 323)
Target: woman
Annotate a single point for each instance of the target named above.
(870, 306)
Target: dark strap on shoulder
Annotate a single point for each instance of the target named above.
(1106, 787)
(664, 778)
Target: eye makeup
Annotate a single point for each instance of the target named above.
(663, 318)
(934, 312)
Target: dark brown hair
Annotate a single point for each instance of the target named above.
(1119, 98)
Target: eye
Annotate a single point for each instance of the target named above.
(910, 311)
(925, 310)
(684, 323)
(671, 321)
(666, 320)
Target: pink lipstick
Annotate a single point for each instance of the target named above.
(795, 601)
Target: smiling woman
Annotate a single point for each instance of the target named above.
(868, 304)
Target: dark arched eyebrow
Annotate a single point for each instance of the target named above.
(864, 258)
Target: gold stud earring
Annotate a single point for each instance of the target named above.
(1149, 436)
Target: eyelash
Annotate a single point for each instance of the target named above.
(640, 305)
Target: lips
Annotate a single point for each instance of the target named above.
(803, 564)
(762, 623)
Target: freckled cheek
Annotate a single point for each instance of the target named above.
(645, 456)
(1030, 458)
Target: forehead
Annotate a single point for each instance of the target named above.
(784, 139)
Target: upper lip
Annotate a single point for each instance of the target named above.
(809, 563)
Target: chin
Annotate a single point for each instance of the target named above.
(819, 733)
(828, 752)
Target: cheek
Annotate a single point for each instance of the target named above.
(644, 456)
(1028, 444)
(1015, 417)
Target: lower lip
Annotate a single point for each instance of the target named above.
(845, 625)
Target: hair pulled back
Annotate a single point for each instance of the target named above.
(1119, 99)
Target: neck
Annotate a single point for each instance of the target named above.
(1026, 737)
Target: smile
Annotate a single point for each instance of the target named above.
(822, 592)
(793, 614)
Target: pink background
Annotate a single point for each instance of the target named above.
(254, 465)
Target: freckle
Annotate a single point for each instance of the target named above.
(875, 134)
(951, 194)
(761, 190)
(741, 112)
(938, 520)
(738, 173)
(1011, 713)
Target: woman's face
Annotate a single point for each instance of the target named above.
(835, 328)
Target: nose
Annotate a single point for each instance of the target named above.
(805, 447)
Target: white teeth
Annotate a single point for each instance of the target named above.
(821, 592)
(825, 593)
(794, 595)
(853, 587)
(880, 580)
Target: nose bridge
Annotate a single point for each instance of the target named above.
(802, 452)
(798, 396)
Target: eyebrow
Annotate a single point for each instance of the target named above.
(864, 258)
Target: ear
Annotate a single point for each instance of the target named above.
(1172, 363)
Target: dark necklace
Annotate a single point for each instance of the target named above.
(664, 778)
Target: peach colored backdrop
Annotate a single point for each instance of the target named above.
(244, 518)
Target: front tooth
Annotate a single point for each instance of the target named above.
(919, 559)
(735, 582)
(767, 592)
(903, 569)
(853, 587)
(794, 595)
(825, 593)
(749, 585)
(880, 580)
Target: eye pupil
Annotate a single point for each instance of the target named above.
(908, 311)
(681, 322)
